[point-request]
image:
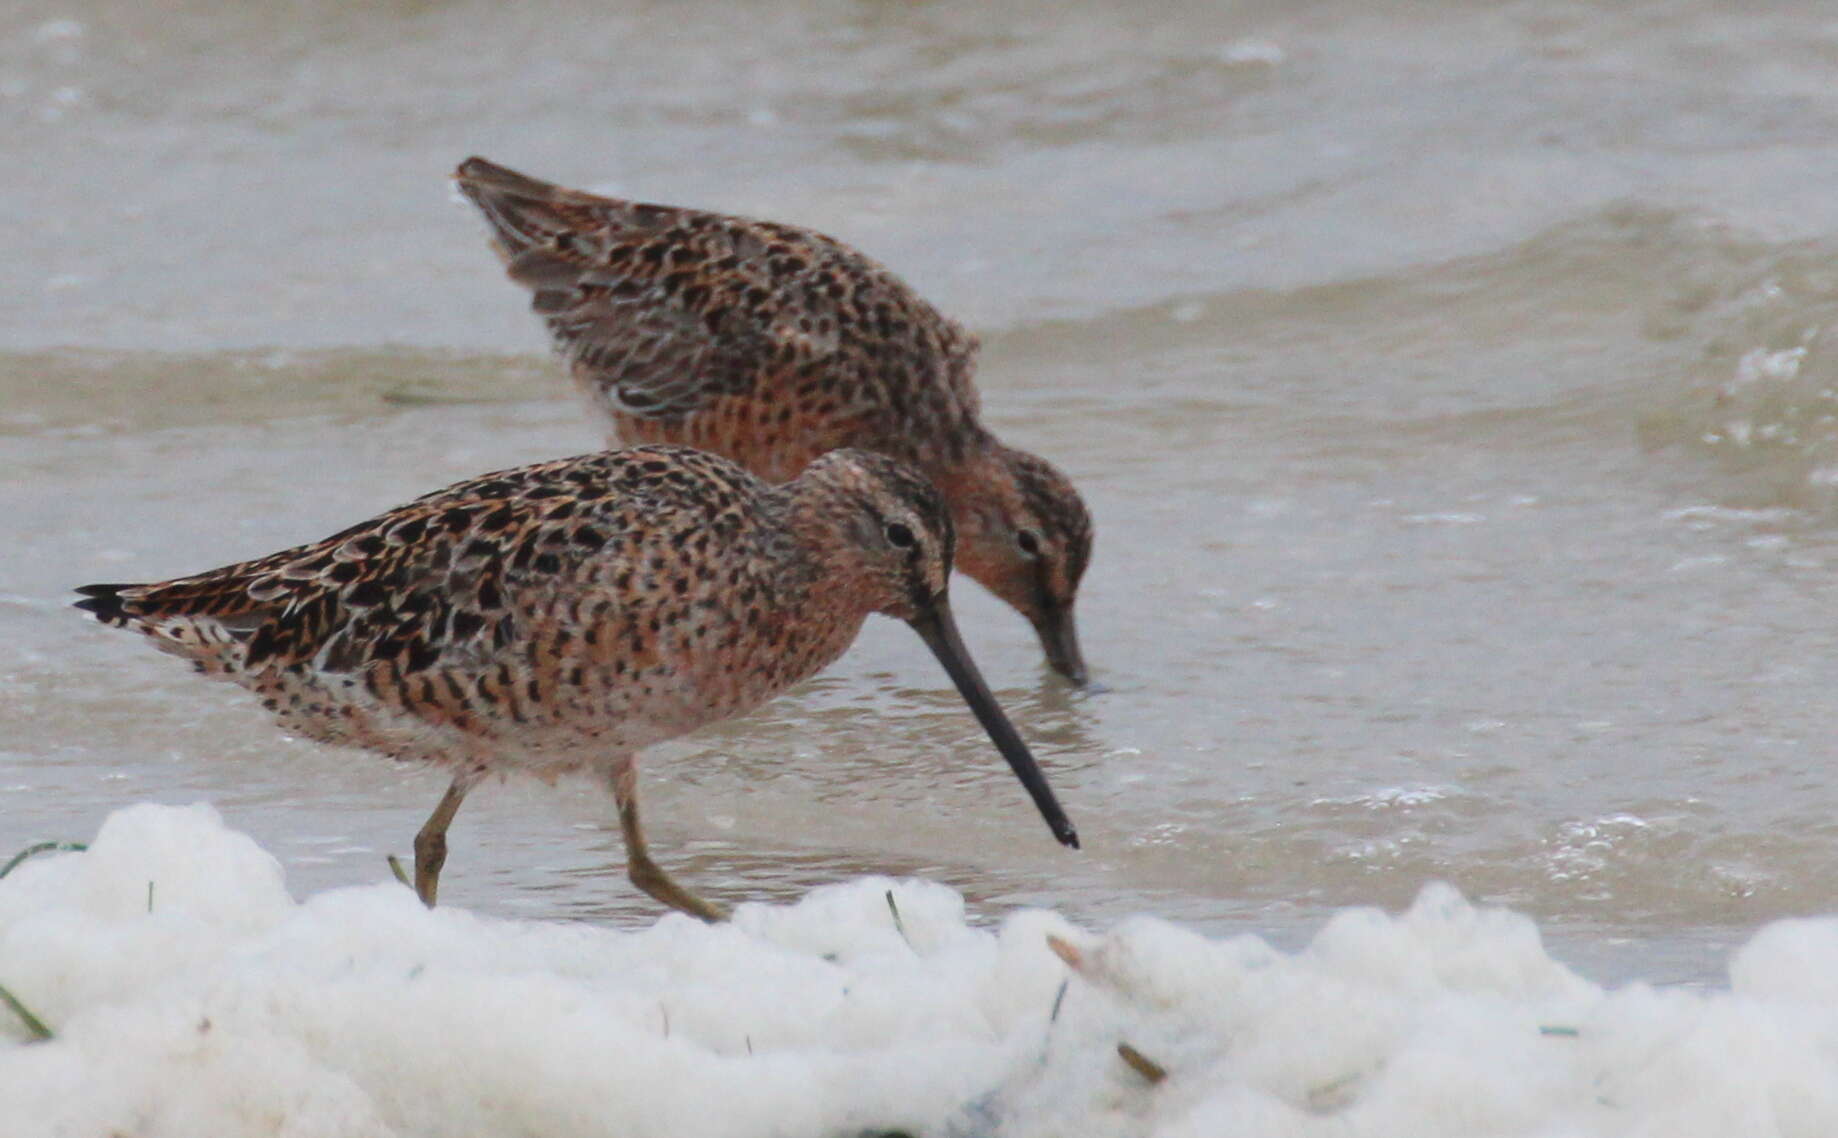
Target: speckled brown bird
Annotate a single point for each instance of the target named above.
(559, 617)
(772, 345)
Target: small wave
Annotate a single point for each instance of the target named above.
(1393, 797)
(90, 392)
(1761, 375)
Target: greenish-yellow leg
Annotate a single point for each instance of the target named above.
(431, 842)
(645, 873)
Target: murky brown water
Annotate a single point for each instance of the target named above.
(1450, 387)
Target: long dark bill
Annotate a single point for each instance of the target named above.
(935, 626)
(1059, 636)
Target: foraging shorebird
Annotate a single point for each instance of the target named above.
(772, 345)
(560, 617)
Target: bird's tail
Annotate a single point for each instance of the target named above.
(194, 618)
(525, 213)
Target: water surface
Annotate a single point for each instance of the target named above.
(1450, 387)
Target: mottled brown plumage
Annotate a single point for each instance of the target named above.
(772, 345)
(561, 616)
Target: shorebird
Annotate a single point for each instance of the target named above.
(772, 345)
(557, 618)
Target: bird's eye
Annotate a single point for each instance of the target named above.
(899, 536)
(1028, 541)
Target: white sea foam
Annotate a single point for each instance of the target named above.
(209, 1002)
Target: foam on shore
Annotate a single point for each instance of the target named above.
(189, 994)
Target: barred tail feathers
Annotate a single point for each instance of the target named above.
(215, 642)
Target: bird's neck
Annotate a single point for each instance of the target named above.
(812, 551)
(973, 484)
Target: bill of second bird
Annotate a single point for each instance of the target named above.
(560, 617)
(773, 344)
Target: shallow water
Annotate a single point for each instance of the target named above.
(1450, 388)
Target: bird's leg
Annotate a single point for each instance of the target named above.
(431, 842)
(645, 873)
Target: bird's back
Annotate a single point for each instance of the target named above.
(767, 343)
(546, 616)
